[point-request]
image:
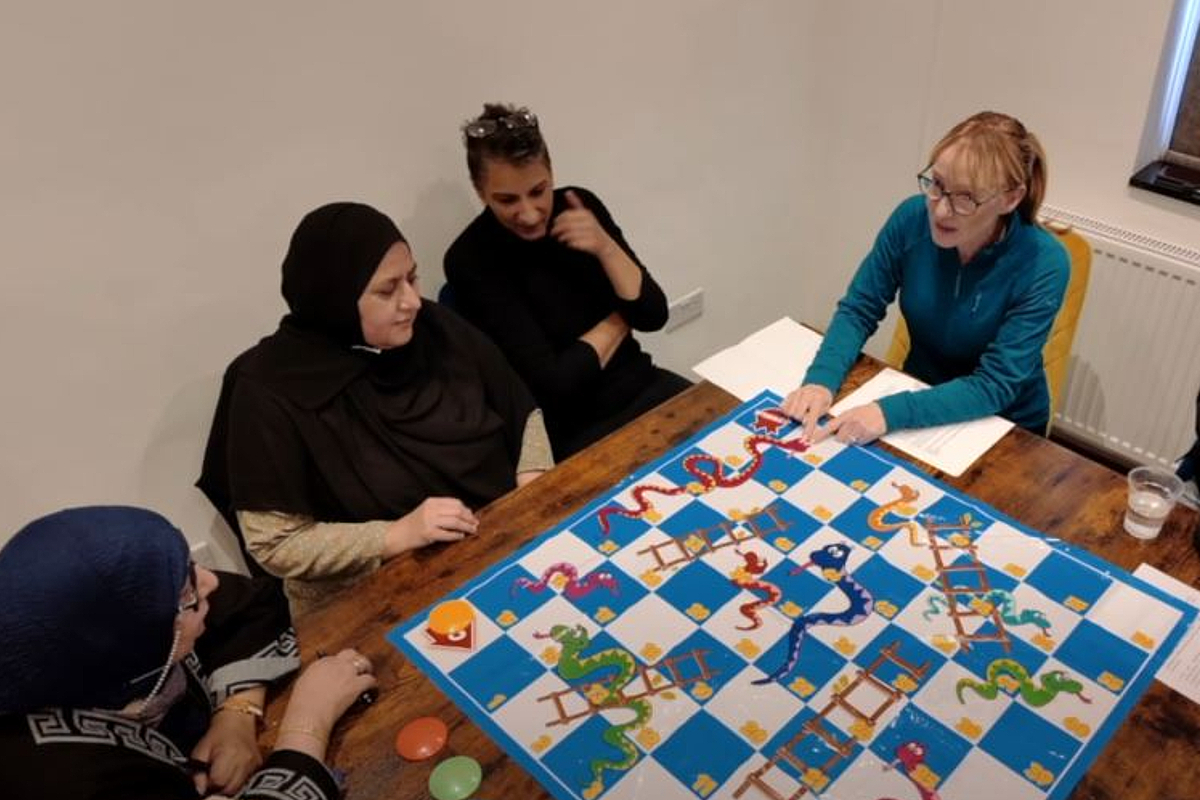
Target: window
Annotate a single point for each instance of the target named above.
(1176, 172)
(1185, 140)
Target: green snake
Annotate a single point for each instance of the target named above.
(1053, 682)
(1004, 603)
(574, 640)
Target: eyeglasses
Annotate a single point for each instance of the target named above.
(483, 128)
(963, 204)
(189, 600)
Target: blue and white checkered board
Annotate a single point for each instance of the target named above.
(1109, 630)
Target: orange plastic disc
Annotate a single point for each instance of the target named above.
(422, 738)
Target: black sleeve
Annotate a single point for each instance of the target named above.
(506, 393)
(555, 376)
(289, 773)
(268, 459)
(252, 444)
(1193, 457)
(648, 311)
(215, 478)
(248, 638)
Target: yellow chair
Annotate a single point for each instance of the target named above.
(1057, 352)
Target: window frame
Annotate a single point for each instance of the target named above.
(1187, 108)
(1175, 172)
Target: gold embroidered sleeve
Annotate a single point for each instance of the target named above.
(297, 546)
(536, 455)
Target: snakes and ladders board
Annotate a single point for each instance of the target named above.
(750, 617)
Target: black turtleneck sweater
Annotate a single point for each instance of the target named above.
(536, 298)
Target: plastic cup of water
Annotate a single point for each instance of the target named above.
(1153, 492)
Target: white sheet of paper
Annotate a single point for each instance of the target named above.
(950, 448)
(774, 358)
(777, 357)
(1181, 671)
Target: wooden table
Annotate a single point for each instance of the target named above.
(1153, 756)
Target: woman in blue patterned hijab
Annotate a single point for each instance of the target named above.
(127, 671)
(90, 597)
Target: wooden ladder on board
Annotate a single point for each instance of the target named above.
(955, 608)
(841, 745)
(644, 685)
(676, 551)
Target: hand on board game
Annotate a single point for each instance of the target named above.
(854, 541)
(806, 405)
(438, 519)
(859, 425)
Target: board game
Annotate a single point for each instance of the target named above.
(751, 617)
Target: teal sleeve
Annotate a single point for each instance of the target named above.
(866, 300)
(1006, 364)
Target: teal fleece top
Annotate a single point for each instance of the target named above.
(977, 329)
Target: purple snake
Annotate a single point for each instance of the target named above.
(574, 588)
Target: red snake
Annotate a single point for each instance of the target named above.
(716, 476)
(755, 565)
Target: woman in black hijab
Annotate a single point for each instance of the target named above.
(371, 422)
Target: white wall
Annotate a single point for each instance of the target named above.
(1080, 73)
(156, 156)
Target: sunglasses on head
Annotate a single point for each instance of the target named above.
(483, 128)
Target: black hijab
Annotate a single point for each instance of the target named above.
(309, 422)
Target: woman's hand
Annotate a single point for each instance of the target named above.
(806, 405)
(438, 519)
(323, 692)
(859, 425)
(528, 475)
(578, 228)
(329, 686)
(230, 748)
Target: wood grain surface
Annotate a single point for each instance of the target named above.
(1153, 756)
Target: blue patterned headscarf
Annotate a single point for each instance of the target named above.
(88, 600)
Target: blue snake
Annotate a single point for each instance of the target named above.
(1003, 601)
(832, 560)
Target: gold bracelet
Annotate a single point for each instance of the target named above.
(242, 706)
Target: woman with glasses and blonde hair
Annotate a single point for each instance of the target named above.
(979, 283)
(547, 274)
(128, 671)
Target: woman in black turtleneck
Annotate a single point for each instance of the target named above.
(371, 422)
(547, 274)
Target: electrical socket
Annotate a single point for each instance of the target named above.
(685, 309)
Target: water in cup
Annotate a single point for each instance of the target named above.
(1146, 514)
(1152, 494)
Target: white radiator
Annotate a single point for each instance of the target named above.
(1135, 365)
